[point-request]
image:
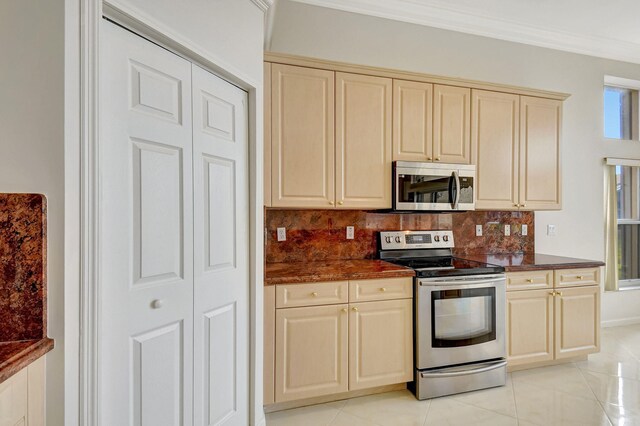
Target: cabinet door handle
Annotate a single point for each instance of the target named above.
(355, 309)
(157, 304)
(428, 158)
(523, 205)
(580, 277)
(314, 294)
(340, 203)
(552, 293)
(558, 293)
(331, 202)
(383, 289)
(344, 309)
(437, 158)
(529, 280)
(516, 205)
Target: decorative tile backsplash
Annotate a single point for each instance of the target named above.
(22, 267)
(314, 235)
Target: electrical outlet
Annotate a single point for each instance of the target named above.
(524, 230)
(551, 230)
(349, 232)
(478, 230)
(282, 234)
(507, 230)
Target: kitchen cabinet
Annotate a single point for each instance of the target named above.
(552, 322)
(22, 397)
(431, 122)
(333, 337)
(267, 134)
(363, 141)
(302, 137)
(516, 143)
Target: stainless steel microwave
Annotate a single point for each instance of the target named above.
(433, 186)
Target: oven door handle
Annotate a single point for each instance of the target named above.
(461, 282)
(485, 368)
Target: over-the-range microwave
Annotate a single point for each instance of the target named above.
(433, 187)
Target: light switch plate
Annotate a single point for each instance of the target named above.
(478, 230)
(551, 230)
(350, 232)
(507, 230)
(282, 234)
(524, 230)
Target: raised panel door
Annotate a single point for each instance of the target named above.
(412, 120)
(540, 133)
(363, 141)
(221, 251)
(380, 343)
(529, 326)
(267, 134)
(494, 136)
(577, 316)
(451, 124)
(302, 142)
(14, 400)
(311, 351)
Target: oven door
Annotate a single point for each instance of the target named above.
(441, 187)
(460, 320)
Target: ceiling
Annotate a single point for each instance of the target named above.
(608, 29)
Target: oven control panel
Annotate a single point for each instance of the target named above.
(398, 240)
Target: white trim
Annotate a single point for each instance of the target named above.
(263, 5)
(627, 83)
(620, 322)
(455, 20)
(611, 161)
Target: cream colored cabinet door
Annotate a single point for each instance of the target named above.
(380, 343)
(311, 351)
(302, 137)
(494, 136)
(363, 141)
(540, 131)
(412, 121)
(577, 317)
(529, 326)
(451, 124)
(267, 134)
(22, 397)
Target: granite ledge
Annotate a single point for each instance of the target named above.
(14, 356)
(516, 262)
(333, 270)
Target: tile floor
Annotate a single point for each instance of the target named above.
(604, 390)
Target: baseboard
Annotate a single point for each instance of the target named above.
(511, 368)
(619, 322)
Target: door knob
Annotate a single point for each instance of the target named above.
(157, 304)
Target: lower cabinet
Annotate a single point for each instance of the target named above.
(22, 397)
(553, 324)
(334, 348)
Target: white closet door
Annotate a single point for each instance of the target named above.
(221, 251)
(146, 233)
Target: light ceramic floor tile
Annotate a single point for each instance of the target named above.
(500, 400)
(314, 415)
(448, 411)
(390, 409)
(550, 407)
(563, 378)
(346, 419)
(620, 365)
(614, 390)
(621, 415)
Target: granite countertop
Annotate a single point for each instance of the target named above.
(14, 356)
(514, 262)
(332, 270)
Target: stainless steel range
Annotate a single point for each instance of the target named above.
(459, 314)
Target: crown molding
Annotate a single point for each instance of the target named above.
(264, 5)
(465, 22)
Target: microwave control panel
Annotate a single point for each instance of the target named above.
(399, 240)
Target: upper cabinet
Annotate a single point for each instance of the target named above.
(516, 144)
(363, 141)
(302, 137)
(431, 122)
(332, 131)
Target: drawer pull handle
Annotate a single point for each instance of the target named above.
(314, 294)
(383, 289)
(354, 309)
(157, 304)
(529, 280)
(580, 277)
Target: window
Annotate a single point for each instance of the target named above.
(621, 110)
(628, 189)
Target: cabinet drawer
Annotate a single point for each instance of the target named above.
(577, 277)
(323, 293)
(380, 289)
(529, 280)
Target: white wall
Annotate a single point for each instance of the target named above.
(330, 34)
(32, 146)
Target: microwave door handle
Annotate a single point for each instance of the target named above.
(457, 198)
(452, 197)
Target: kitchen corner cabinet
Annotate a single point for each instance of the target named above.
(431, 122)
(337, 336)
(516, 149)
(330, 139)
(22, 397)
(554, 323)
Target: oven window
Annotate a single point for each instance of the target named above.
(463, 317)
(432, 189)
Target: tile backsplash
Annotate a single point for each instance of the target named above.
(314, 235)
(23, 268)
